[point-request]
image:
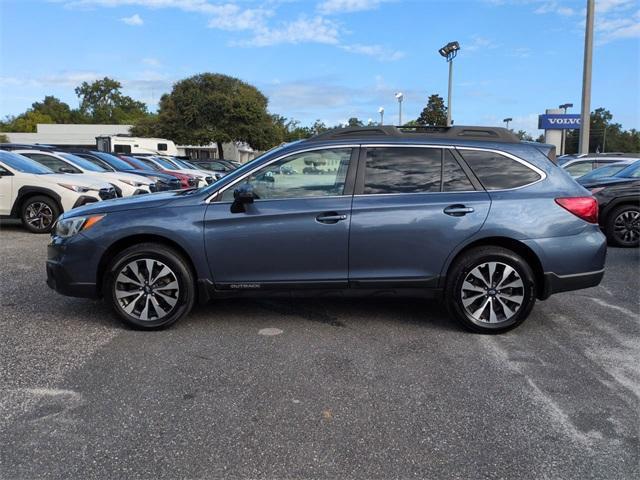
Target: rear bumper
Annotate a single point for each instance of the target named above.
(564, 283)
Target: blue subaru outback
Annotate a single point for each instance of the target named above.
(469, 215)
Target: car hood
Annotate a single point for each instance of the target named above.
(607, 181)
(79, 179)
(135, 202)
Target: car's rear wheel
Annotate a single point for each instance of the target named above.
(623, 226)
(490, 290)
(39, 214)
(150, 286)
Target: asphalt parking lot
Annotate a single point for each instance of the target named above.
(319, 388)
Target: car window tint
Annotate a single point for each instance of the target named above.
(310, 174)
(498, 172)
(52, 162)
(402, 170)
(579, 168)
(453, 177)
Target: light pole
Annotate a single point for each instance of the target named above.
(507, 120)
(381, 112)
(563, 141)
(585, 113)
(400, 97)
(449, 51)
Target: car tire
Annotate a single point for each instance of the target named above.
(39, 213)
(485, 303)
(149, 286)
(622, 226)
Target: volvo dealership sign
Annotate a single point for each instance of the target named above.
(559, 121)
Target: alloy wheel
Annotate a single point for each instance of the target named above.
(626, 226)
(39, 215)
(147, 289)
(492, 292)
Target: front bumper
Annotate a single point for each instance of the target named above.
(69, 274)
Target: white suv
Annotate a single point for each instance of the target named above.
(126, 184)
(38, 196)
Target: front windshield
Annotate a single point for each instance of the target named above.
(632, 171)
(607, 171)
(167, 164)
(114, 161)
(23, 164)
(82, 163)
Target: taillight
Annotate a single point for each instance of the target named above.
(585, 208)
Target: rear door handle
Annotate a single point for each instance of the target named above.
(458, 210)
(331, 217)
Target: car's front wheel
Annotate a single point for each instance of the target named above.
(39, 213)
(150, 286)
(490, 290)
(623, 226)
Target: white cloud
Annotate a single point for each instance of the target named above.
(152, 62)
(328, 7)
(478, 43)
(554, 7)
(302, 30)
(377, 51)
(134, 20)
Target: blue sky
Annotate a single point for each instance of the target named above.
(330, 59)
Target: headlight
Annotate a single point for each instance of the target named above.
(68, 227)
(133, 183)
(76, 188)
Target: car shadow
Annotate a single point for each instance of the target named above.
(333, 312)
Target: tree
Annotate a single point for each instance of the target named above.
(605, 136)
(217, 108)
(25, 122)
(57, 110)
(435, 113)
(102, 101)
(355, 122)
(4, 138)
(523, 135)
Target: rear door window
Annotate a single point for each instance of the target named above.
(578, 169)
(498, 172)
(453, 177)
(402, 170)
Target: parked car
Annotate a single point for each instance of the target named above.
(603, 172)
(37, 196)
(125, 184)
(467, 214)
(187, 165)
(186, 180)
(161, 181)
(619, 203)
(579, 165)
(213, 166)
(165, 163)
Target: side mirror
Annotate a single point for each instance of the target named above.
(243, 195)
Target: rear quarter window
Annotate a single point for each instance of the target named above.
(498, 172)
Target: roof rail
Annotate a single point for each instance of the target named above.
(494, 134)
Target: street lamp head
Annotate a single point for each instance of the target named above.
(566, 105)
(381, 110)
(449, 50)
(508, 120)
(400, 96)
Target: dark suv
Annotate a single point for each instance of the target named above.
(471, 215)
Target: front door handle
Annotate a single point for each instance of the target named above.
(458, 210)
(331, 217)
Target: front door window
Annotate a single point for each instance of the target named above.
(319, 173)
